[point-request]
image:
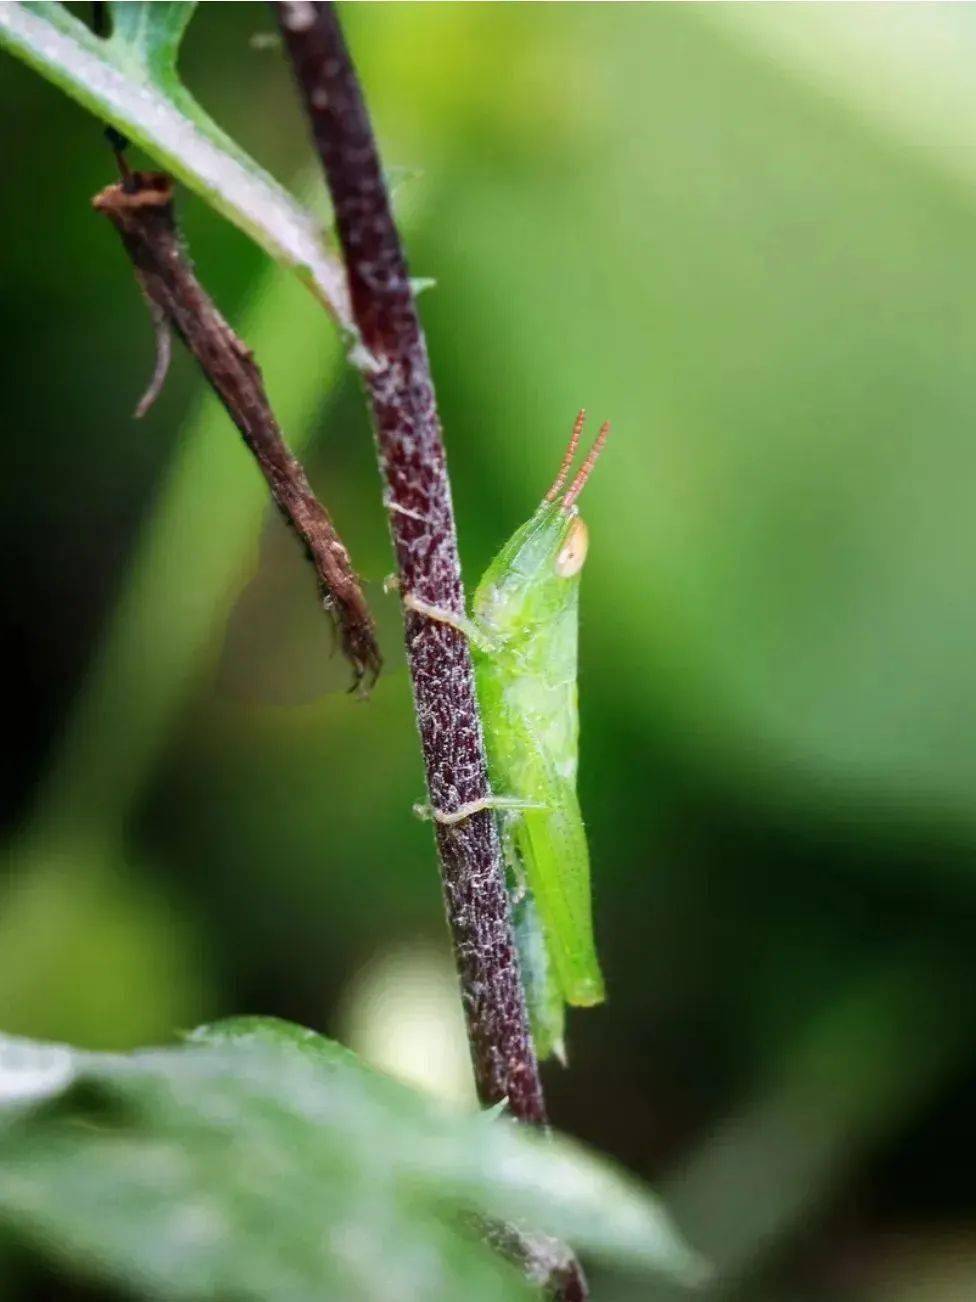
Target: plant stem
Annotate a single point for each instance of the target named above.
(418, 499)
(397, 376)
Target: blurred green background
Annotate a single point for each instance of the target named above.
(746, 235)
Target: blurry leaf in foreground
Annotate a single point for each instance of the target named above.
(260, 1160)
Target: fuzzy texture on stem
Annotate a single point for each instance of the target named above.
(396, 372)
(397, 376)
(141, 209)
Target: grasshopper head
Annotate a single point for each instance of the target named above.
(534, 579)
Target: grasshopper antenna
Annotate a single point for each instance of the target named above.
(574, 439)
(583, 474)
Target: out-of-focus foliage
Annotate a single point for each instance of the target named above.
(129, 77)
(743, 233)
(260, 1160)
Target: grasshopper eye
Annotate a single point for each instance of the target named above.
(572, 554)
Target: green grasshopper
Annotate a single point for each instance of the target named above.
(524, 634)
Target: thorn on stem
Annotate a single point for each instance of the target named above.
(164, 352)
(118, 143)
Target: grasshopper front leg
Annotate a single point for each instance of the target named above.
(472, 631)
(454, 816)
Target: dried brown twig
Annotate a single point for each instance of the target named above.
(141, 209)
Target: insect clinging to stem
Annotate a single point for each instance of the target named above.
(524, 637)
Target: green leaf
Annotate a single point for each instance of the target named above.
(260, 1160)
(150, 34)
(130, 80)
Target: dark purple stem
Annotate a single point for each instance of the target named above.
(418, 498)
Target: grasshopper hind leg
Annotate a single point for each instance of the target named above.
(543, 993)
(518, 884)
